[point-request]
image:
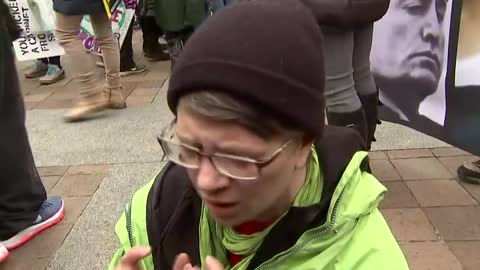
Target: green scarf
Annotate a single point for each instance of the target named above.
(216, 240)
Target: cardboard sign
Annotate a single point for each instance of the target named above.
(121, 19)
(31, 46)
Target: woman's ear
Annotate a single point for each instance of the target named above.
(303, 154)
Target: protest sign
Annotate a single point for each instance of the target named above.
(414, 61)
(33, 46)
(121, 18)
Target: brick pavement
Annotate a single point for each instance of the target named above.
(76, 184)
(139, 89)
(435, 218)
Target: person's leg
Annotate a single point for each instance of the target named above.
(126, 51)
(152, 49)
(362, 74)
(44, 60)
(343, 104)
(25, 210)
(82, 66)
(55, 60)
(111, 58)
(364, 81)
(55, 71)
(21, 193)
(127, 64)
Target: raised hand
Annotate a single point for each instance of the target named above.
(182, 262)
(131, 260)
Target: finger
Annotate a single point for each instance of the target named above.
(134, 255)
(181, 261)
(188, 267)
(213, 264)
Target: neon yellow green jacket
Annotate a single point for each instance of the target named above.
(355, 235)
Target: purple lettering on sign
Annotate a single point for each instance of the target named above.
(89, 43)
(130, 4)
(116, 16)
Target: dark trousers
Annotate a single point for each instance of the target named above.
(126, 51)
(55, 60)
(21, 190)
(151, 33)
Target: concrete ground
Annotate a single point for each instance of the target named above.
(97, 165)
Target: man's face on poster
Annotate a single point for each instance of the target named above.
(409, 43)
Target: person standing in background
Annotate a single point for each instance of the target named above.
(69, 14)
(25, 210)
(152, 49)
(350, 90)
(179, 18)
(467, 90)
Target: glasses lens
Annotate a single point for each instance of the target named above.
(239, 169)
(181, 154)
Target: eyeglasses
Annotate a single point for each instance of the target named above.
(236, 167)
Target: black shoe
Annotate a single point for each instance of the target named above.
(151, 33)
(470, 172)
(355, 120)
(139, 68)
(156, 53)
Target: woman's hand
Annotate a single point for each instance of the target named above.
(183, 263)
(131, 260)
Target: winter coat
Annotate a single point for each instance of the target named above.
(180, 15)
(78, 7)
(344, 231)
(347, 13)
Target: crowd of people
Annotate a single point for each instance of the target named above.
(289, 191)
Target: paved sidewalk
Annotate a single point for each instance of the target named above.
(97, 165)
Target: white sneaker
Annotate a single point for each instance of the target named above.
(54, 74)
(38, 69)
(3, 253)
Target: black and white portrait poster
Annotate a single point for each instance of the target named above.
(426, 62)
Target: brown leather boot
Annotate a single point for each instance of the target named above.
(85, 108)
(113, 94)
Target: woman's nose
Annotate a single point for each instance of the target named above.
(208, 177)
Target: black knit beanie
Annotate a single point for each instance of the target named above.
(268, 53)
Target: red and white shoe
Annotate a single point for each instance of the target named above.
(3, 253)
(51, 212)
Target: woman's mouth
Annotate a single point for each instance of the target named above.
(221, 209)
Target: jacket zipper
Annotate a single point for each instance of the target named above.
(301, 245)
(128, 215)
